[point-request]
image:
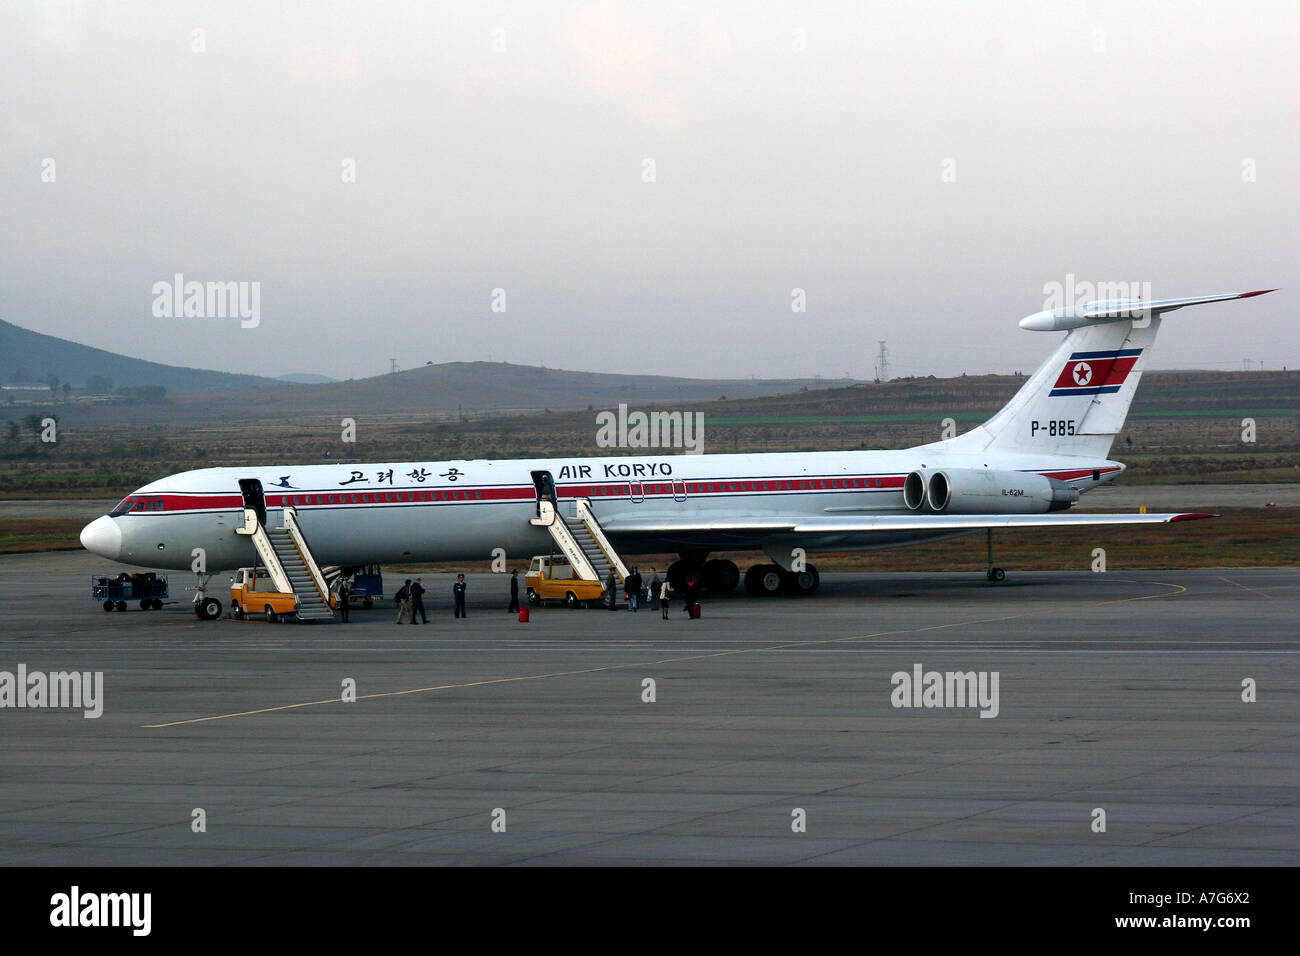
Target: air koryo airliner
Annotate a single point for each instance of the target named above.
(1023, 468)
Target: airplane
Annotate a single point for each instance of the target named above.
(1023, 468)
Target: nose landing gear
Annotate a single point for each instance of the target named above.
(205, 608)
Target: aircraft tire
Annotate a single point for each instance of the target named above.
(771, 580)
(720, 575)
(802, 583)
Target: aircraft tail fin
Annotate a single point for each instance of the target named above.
(1077, 401)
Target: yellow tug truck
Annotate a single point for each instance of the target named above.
(552, 578)
(247, 600)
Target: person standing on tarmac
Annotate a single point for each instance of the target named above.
(403, 599)
(514, 590)
(665, 593)
(632, 588)
(417, 601)
(654, 589)
(342, 602)
(458, 592)
(611, 585)
(691, 588)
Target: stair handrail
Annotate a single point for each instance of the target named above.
(265, 551)
(309, 562)
(588, 519)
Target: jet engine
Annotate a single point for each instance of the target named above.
(982, 491)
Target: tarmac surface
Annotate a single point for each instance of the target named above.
(1119, 691)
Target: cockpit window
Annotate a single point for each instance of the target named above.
(132, 503)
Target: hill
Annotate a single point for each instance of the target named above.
(33, 357)
(447, 392)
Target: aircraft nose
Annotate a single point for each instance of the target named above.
(103, 537)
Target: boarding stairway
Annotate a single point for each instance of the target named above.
(288, 560)
(581, 539)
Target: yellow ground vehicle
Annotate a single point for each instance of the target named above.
(550, 577)
(247, 599)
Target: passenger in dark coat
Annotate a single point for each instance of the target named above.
(341, 605)
(514, 589)
(632, 589)
(417, 601)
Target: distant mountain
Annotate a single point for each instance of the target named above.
(27, 356)
(481, 389)
(446, 392)
(305, 378)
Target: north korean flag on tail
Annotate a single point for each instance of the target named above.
(1095, 373)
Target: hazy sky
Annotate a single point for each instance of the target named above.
(920, 170)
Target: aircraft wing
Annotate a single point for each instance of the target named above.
(867, 523)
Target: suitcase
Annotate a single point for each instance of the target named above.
(695, 610)
(523, 614)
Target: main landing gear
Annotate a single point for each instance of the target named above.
(993, 574)
(769, 580)
(717, 575)
(762, 580)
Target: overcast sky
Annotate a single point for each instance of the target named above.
(922, 171)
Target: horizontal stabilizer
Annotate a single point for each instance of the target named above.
(1113, 310)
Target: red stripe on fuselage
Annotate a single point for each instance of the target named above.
(180, 502)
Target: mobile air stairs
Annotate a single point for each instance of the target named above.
(578, 535)
(288, 560)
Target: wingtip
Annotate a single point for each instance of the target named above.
(1247, 295)
(1192, 517)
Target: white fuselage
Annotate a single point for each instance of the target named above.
(465, 510)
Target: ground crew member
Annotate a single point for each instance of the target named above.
(514, 589)
(458, 592)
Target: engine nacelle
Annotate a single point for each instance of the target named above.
(914, 490)
(982, 491)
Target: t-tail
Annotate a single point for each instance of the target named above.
(1076, 403)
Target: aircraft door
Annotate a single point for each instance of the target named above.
(636, 491)
(544, 482)
(254, 497)
(679, 491)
